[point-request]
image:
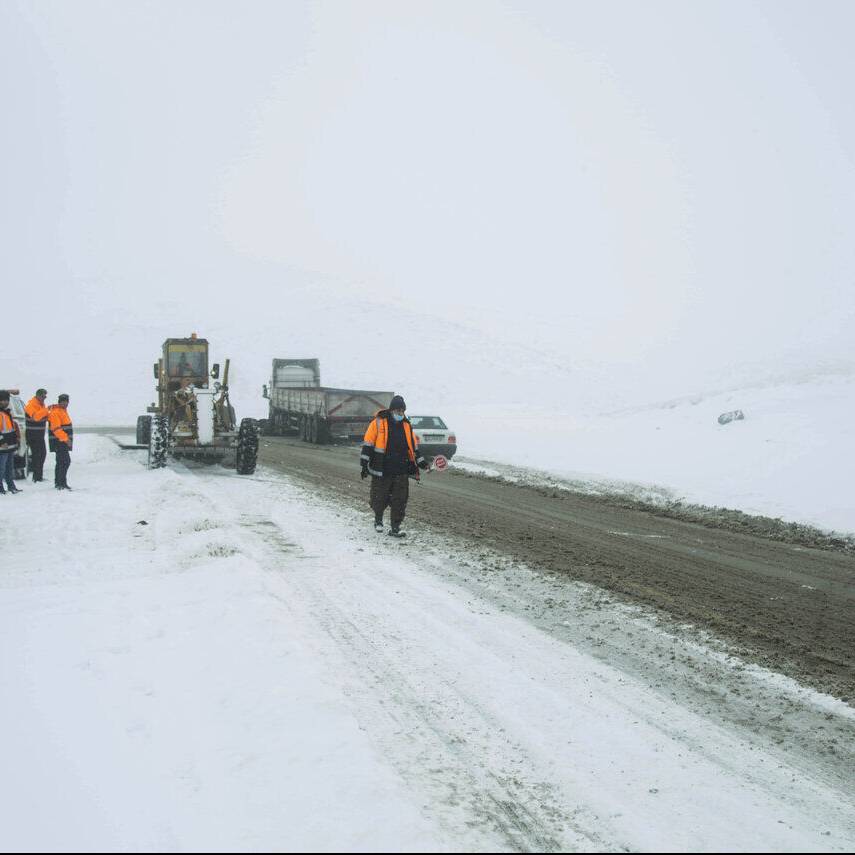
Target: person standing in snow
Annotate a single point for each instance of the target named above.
(61, 440)
(390, 455)
(37, 417)
(10, 439)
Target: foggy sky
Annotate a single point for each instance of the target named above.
(623, 200)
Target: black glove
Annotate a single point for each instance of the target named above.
(364, 473)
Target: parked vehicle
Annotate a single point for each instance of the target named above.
(300, 406)
(434, 436)
(22, 455)
(192, 417)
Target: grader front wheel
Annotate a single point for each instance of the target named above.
(158, 444)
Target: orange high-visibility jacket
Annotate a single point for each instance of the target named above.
(376, 442)
(9, 431)
(37, 414)
(60, 423)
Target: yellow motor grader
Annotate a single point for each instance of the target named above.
(192, 417)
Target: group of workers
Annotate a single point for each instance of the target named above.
(39, 416)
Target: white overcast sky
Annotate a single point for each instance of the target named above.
(639, 189)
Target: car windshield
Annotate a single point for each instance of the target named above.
(428, 422)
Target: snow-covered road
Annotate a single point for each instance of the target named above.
(193, 660)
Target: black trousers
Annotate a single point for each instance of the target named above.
(390, 491)
(38, 452)
(63, 461)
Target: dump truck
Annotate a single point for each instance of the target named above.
(192, 417)
(300, 406)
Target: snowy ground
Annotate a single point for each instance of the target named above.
(790, 457)
(252, 669)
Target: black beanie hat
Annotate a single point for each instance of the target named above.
(397, 403)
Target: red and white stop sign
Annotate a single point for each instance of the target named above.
(440, 463)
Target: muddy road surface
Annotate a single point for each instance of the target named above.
(787, 607)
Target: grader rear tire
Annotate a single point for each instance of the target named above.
(247, 447)
(322, 431)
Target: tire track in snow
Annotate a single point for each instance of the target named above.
(447, 739)
(429, 725)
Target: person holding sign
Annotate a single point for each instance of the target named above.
(390, 455)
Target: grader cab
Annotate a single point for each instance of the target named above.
(192, 417)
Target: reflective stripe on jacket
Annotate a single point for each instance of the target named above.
(37, 414)
(60, 423)
(376, 442)
(9, 438)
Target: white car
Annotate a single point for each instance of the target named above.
(22, 455)
(434, 436)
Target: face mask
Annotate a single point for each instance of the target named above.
(397, 417)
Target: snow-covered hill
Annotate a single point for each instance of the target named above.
(791, 456)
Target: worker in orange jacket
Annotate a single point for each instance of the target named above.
(10, 439)
(390, 455)
(61, 440)
(37, 418)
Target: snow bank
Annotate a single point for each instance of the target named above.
(791, 457)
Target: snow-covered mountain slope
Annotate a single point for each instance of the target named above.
(790, 457)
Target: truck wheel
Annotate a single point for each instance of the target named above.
(158, 446)
(247, 447)
(143, 430)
